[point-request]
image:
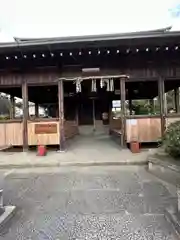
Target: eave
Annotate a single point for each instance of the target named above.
(144, 37)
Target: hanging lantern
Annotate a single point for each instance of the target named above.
(112, 85)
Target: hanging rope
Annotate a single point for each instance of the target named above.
(111, 85)
(93, 85)
(78, 85)
(94, 77)
(108, 85)
(102, 82)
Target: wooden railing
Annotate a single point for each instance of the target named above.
(145, 129)
(40, 131)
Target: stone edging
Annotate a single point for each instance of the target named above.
(166, 164)
(171, 214)
(73, 164)
(174, 219)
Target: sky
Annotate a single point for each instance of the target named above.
(56, 18)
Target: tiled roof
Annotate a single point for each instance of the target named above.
(28, 42)
(156, 32)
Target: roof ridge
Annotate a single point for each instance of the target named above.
(160, 30)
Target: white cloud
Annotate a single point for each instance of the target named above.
(44, 18)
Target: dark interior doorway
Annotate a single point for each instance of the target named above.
(91, 105)
(85, 111)
(87, 106)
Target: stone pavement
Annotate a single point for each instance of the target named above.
(84, 151)
(93, 203)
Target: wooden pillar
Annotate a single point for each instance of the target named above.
(12, 111)
(165, 104)
(61, 116)
(77, 114)
(162, 103)
(152, 106)
(123, 117)
(130, 106)
(176, 99)
(36, 110)
(94, 117)
(25, 114)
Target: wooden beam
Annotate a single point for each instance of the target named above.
(36, 110)
(61, 116)
(123, 117)
(162, 103)
(12, 110)
(25, 114)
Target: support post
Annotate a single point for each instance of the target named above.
(176, 96)
(94, 118)
(130, 106)
(162, 103)
(123, 118)
(25, 115)
(12, 111)
(77, 115)
(61, 116)
(36, 110)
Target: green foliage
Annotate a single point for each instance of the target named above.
(145, 107)
(171, 139)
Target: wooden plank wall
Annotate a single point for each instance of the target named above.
(45, 139)
(3, 134)
(51, 75)
(143, 130)
(11, 134)
(42, 76)
(71, 129)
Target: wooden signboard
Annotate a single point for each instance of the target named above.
(46, 128)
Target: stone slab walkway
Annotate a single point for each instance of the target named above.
(82, 151)
(97, 203)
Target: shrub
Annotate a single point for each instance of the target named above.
(171, 139)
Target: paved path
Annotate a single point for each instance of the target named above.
(87, 203)
(86, 150)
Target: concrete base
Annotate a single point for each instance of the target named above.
(150, 166)
(61, 151)
(9, 212)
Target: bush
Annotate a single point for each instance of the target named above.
(171, 139)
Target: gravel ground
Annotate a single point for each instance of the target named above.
(87, 203)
